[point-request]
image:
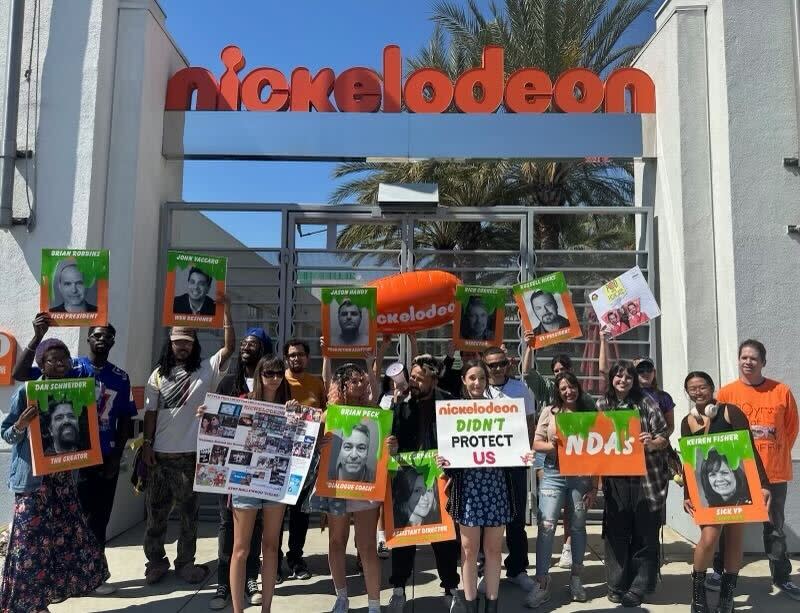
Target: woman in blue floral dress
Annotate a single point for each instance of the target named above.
(480, 500)
(52, 554)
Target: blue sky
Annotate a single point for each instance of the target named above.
(284, 35)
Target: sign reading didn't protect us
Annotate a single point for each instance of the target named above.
(483, 432)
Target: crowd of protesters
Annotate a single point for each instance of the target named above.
(57, 539)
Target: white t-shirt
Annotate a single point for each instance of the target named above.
(176, 428)
(514, 388)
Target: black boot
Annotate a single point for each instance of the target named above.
(699, 600)
(726, 592)
(490, 606)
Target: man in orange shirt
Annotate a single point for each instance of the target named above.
(772, 411)
(308, 390)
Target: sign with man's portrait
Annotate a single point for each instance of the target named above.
(65, 436)
(349, 326)
(195, 286)
(720, 474)
(625, 303)
(73, 287)
(354, 456)
(414, 509)
(545, 307)
(478, 322)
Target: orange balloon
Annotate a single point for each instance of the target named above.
(414, 301)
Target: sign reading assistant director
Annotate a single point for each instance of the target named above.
(486, 432)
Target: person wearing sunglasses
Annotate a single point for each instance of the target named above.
(269, 385)
(97, 485)
(239, 383)
(352, 385)
(501, 385)
(646, 371)
(52, 553)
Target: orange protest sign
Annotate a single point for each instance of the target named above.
(414, 509)
(600, 443)
(8, 352)
(720, 473)
(354, 456)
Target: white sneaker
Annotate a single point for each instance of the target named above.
(565, 561)
(104, 589)
(523, 581)
(481, 586)
(342, 605)
(398, 600)
(539, 595)
(576, 589)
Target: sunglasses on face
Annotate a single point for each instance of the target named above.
(272, 374)
(500, 364)
(99, 336)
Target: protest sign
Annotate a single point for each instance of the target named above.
(479, 321)
(66, 434)
(600, 443)
(414, 509)
(545, 307)
(625, 302)
(349, 325)
(73, 287)
(719, 471)
(354, 456)
(254, 448)
(8, 355)
(484, 432)
(194, 288)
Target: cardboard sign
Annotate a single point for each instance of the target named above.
(720, 473)
(545, 306)
(600, 443)
(354, 456)
(482, 433)
(414, 509)
(8, 353)
(625, 303)
(73, 286)
(254, 448)
(349, 320)
(478, 323)
(66, 434)
(193, 291)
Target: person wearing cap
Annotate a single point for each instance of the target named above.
(239, 383)
(174, 391)
(646, 372)
(49, 532)
(414, 429)
(97, 485)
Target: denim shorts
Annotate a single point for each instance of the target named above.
(250, 502)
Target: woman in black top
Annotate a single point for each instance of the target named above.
(706, 417)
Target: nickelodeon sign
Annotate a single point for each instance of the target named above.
(427, 90)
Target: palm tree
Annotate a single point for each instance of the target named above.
(553, 35)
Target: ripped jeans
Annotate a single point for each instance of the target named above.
(554, 490)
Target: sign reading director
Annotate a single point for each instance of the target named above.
(487, 432)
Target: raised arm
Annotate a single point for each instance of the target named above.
(383, 347)
(374, 385)
(22, 369)
(327, 372)
(230, 335)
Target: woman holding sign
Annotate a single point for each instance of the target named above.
(269, 385)
(52, 554)
(722, 486)
(352, 385)
(481, 500)
(554, 488)
(633, 504)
